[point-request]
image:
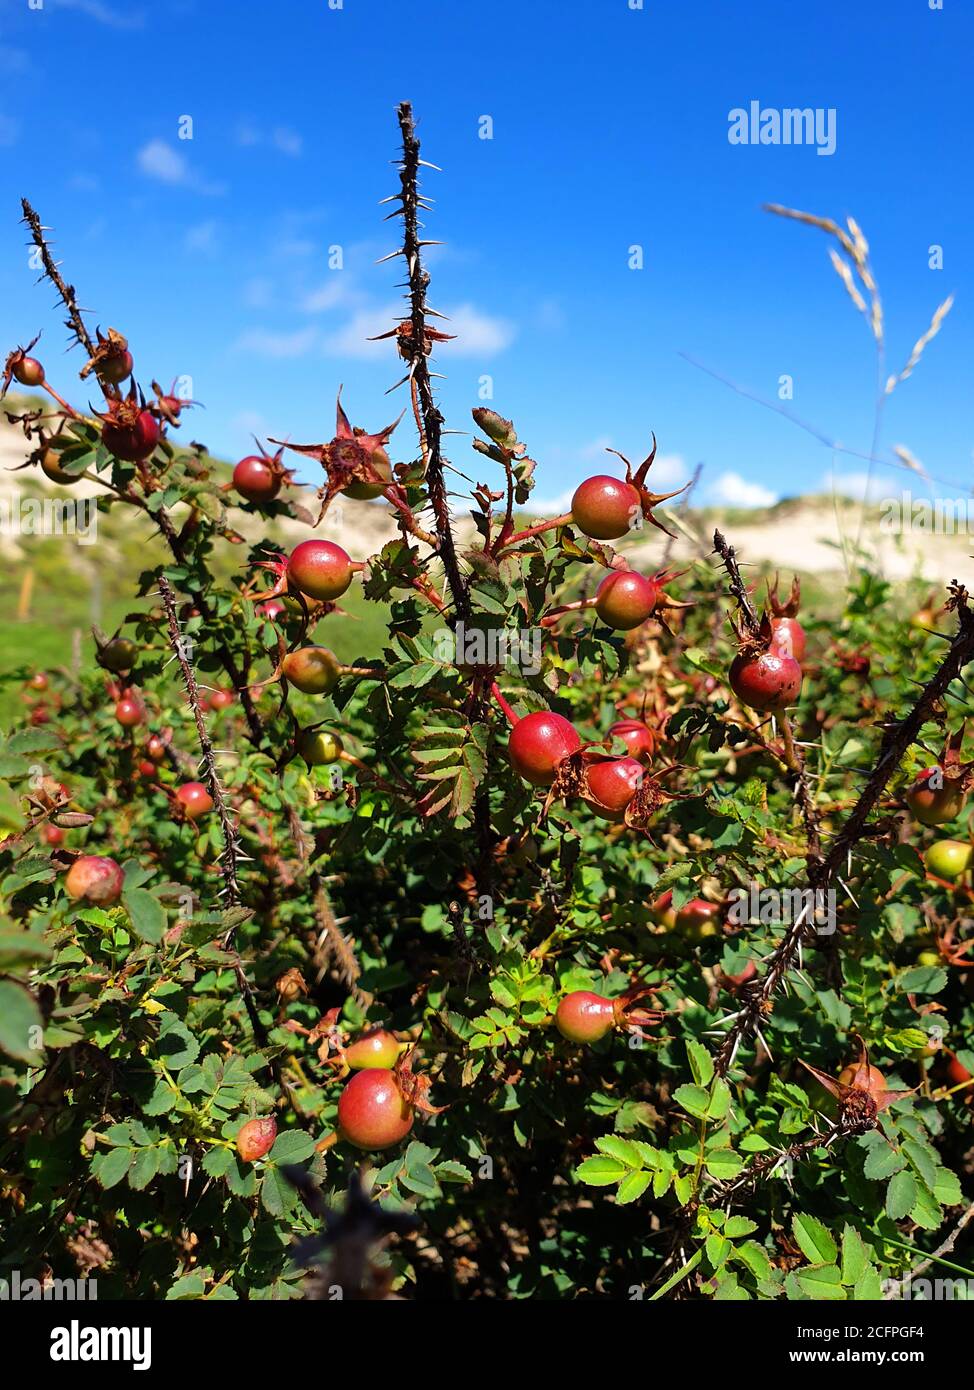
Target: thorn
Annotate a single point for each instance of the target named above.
(427, 165)
(391, 257)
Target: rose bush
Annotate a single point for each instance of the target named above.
(495, 864)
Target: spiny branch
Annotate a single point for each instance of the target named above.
(414, 347)
(228, 860)
(74, 320)
(897, 738)
(333, 942)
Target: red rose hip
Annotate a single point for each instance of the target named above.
(94, 878)
(538, 743)
(626, 599)
(320, 569)
(256, 1138)
(604, 508)
(767, 681)
(372, 1110)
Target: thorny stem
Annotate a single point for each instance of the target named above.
(68, 298)
(415, 349)
(228, 859)
(77, 324)
(793, 758)
(738, 588)
(897, 738)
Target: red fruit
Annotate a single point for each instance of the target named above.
(936, 803)
(320, 569)
(788, 637)
(220, 699)
(605, 508)
(314, 670)
(129, 711)
(130, 433)
(40, 714)
(875, 1085)
(27, 370)
(256, 1138)
(625, 599)
(147, 768)
(957, 1074)
(156, 748)
(584, 1017)
(538, 743)
(698, 918)
(38, 681)
(638, 737)
(377, 1048)
(256, 479)
(372, 1110)
(194, 799)
(52, 834)
(95, 878)
(115, 366)
(611, 784)
(767, 681)
(119, 654)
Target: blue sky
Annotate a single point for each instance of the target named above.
(610, 129)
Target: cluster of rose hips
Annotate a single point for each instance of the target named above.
(766, 673)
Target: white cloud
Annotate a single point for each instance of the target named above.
(263, 342)
(161, 161)
(289, 142)
(281, 138)
(855, 485)
(202, 237)
(478, 334)
(157, 160)
(731, 490)
(352, 339)
(328, 295)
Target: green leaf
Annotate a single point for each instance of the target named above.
(723, 1163)
(600, 1172)
(633, 1185)
(21, 1024)
(144, 1168)
(868, 1287)
(823, 1282)
(701, 1063)
(694, 1100)
(855, 1256)
(755, 1257)
(814, 1240)
(720, 1099)
(292, 1146)
(622, 1149)
(111, 1167)
(736, 1226)
(276, 1194)
(146, 914)
(901, 1194)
